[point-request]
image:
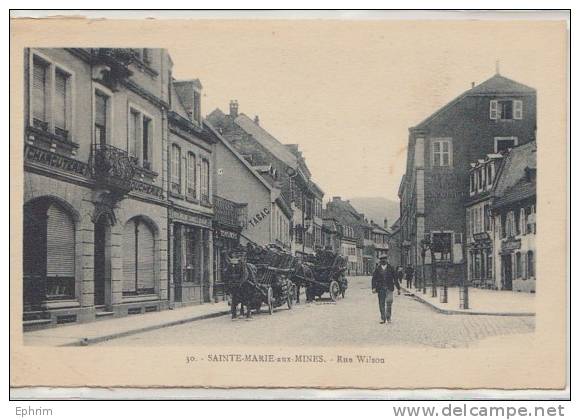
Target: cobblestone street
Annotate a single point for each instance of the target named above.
(352, 321)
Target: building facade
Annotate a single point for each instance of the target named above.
(490, 117)
(284, 167)
(95, 204)
(514, 216)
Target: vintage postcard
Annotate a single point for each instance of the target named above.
(316, 202)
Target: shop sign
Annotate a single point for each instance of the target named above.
(259, 217)
(225, 234)
(511, 244)
(188, 218)
(481, 236)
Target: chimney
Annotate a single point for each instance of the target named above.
(386, 223)
(234, 108)
(472, 85)
(257, 120)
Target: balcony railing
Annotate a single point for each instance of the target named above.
(229, 213)
(112, 167)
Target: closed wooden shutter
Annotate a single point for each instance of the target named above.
(129, 260)
(39, 91)
(518, 110)
(60, 243)
(133, 132)
(60, 99)
(145, 258)
(493, 110)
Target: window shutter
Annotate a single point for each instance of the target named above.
(133, 132)
(39, 91)
(191, 163)
(145, 258)
(60, 99)
(493, 110)
(60, 248)
(145, 152)
(129, 260)
(518, 110)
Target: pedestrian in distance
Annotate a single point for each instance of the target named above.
(409, 275)
(384, 282)
(400, 274)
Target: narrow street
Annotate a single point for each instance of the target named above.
(351, 321)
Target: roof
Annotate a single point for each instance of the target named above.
(237, 155)
(495, 85)
(513, 182)
(267, 140)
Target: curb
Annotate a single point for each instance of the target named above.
(88, 341)
(457, 312)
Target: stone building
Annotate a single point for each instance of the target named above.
(190, 194)
(284, 166)
(394, 243)
(514, 217)
(488, 118)
(479, 223)
(95, 235)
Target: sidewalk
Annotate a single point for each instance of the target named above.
(98, 331)
(481, 302)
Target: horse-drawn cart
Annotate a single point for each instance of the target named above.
(322, 274)
(259, 276)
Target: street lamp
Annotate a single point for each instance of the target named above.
(425, 246)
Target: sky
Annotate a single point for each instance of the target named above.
(347, 92)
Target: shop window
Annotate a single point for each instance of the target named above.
(531, 264)
(48, 253)
(138, 258)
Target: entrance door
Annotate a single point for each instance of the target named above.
(102, 272)
(507, 272)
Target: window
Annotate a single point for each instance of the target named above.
(518, 265)
(101, 103)
(205, 181)
(40, 94)
(133, 138)
(176, 169)
(145, 145)
(442, 153)
(531, 265)
(517, 224)
(530, 220)
(506, 109)
(50, 97)
(489, 257)
(489, 173)
(61, 101)
(191, 170)
(487, 217)
(481, 180)
(138, 258)
(197, 106)
(502, 144)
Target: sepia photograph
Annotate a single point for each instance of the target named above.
(334, 202)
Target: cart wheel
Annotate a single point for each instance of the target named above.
(270, 301)
(290, 298)
(334, 290)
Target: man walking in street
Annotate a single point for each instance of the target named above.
(384, 282)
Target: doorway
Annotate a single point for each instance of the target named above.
(102, 262)
(507, 271)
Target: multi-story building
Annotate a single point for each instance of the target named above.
(331, 232)
(479, 240)
(514, 217)
(191, 201)
(394, 242)
(490, 117)
(95, 209)
(283, 163)
(381, 236)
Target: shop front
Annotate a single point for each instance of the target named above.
(192, 258)
(481, 261)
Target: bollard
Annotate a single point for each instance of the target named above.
(443, 296)
(463, 297)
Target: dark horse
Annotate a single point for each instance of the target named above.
(302, 277)
(240, 280)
